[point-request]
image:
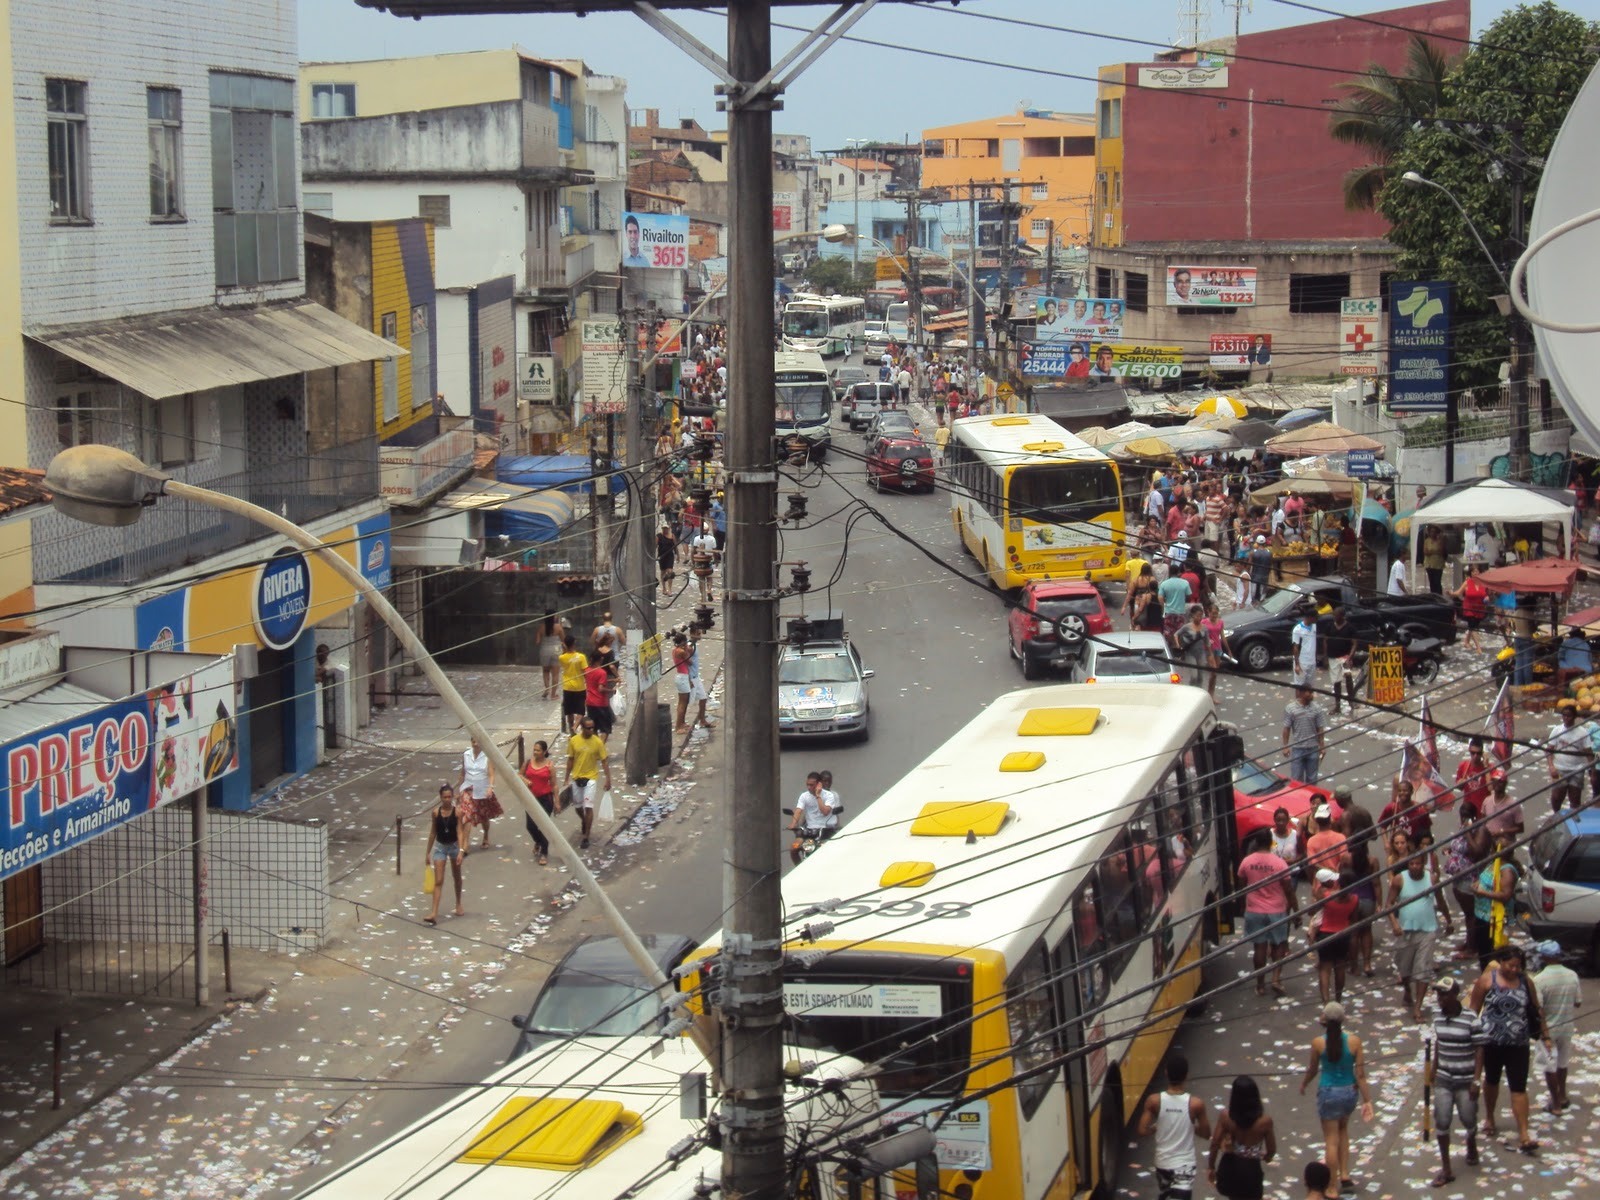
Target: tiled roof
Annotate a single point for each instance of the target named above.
(20, 488)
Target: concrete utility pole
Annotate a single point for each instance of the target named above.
(1002, 324)
(636, 595)
(1521, 362)
(752, 1004)
(972, 280)
(913, 272)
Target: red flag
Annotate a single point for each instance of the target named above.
(1501, 725)
(1428, 749)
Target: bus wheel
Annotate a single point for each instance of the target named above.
(1111, 1127)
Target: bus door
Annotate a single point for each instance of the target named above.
(1033, 1011)
(1075, 992)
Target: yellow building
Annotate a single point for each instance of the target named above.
(1050, 156)
(380, 86)
(16, 581)
(1107, 212)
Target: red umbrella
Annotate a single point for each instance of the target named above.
(1548, 576)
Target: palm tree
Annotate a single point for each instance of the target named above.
(1382, 110)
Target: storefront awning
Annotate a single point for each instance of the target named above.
(23, 711)
(176, 353)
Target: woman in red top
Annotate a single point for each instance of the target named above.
(1472, 776)
(540, 774)
(1474, 599)
(1338, 903)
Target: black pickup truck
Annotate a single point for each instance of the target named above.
(1256, 636)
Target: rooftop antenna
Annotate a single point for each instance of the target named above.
(1193, 23)
(1239, 7)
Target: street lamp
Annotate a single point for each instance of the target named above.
(855, 191)
(1521, 350)
(101, 485)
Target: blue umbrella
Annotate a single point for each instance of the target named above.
(1297, 417)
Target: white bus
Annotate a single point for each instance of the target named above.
(828, 325)
(803, 404)
(1031, 501)
(1032, 897)
(897, 320)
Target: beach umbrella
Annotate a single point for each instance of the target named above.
(1144, 447)
(1188, 440)
(1297, 417)
(1323, 437)
(1129, 430)
(1212, 420)
(1226, 405)
(1312, 483)
(1251, 432)
(1097, 435)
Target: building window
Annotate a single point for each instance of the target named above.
(389, 327)
(1198, 310)
(254, 179)
(1116, 187)
(75, 419)
(68, 125)
(1105, 281)
(1317, 293)
(1039, 191)
(435, 209)
(333, 100)
(1385, 278)
(164, 110)
(1138, 293)
(169, 431)
(1111, 118)
(1040, 228)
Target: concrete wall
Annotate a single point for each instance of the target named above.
(122, 263)
(473, 140)
(395, 85)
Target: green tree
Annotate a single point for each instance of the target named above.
(1499, 113)
(1381, 109)
(834, 275)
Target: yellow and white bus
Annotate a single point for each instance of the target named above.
(1040, 885)
(1031, 501)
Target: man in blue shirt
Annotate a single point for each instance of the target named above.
(719, 522)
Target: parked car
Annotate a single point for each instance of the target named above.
(596, 990)
(843, 378)
(1259, 791)
(866, 400)
(1126, 656)
(898, 462)
(1050, 622)
(1256, 636)
(877, 333)
(1563, 887)
(822, 690)
(893, 422)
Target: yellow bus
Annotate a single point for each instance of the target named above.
(1034, 896)
(1031, 501)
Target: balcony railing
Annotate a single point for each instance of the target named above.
(174, 533)
(413, 473)
(543, 262)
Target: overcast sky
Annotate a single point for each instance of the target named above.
(854, 91)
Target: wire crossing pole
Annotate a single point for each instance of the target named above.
(752, 976)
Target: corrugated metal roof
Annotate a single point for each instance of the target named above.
(49, 706)
(176, 353)
(487, 496)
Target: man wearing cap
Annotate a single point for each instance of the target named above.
(1305, 734)
(1260, 569)
(1457, 1073)
(1326, 846)
(1557, 987)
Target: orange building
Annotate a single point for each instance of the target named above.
(1050, 156)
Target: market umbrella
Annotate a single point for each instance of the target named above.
(1222, 404)
(1548, 576)
(1212, 420)
(1129, 430)
(1324, 437)
(1297, 417)
(1144, 447)
(1186, 439)
(1251, 432)
(1312, 483)
(1097, 435)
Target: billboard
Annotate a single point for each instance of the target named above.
(655, 240)
(1241, 351)
(1097, 362)
(1084, 319)
(605, 367)
(1360, 331)
(69, 782)
(1419, 346)
(536, 378)
(782, 212)
(1211, 287)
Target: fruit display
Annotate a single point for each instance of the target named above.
(1299, 549)
(1586, 692)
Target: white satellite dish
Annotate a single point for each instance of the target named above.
(1563, 273)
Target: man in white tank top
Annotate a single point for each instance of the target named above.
(1176, 1118)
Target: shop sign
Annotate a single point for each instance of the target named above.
(1419, 347)
(282, 599)
(536, 378)
(1360, 334)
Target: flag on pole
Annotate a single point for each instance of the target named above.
(1501, 726)
(1426, 785)
(1439, 792)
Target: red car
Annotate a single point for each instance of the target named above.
(900, 462)
(1258, 792)
(1050, 621)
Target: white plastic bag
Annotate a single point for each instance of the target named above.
(619, 704)
(607, 811)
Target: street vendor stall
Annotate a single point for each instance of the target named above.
(1316, 549)
(1545, 668)
(1490, 502)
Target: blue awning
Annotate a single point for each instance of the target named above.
(522, 514)
(568, 472)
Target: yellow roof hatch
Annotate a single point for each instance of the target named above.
(1044, 447)
(1009, 421)
(1058, 722)
(906, 874)
(957, 818)
(1022, 760)
(552, 1133)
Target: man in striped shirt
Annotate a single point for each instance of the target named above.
(1458, 1041)
(1213, 516)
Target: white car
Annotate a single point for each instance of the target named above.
(877, 333)
(1563, 888)
(1127, 656)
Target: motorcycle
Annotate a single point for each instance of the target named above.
(804, 844)
(1419, 656)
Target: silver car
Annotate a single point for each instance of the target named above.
(1127, 656)
(822, 691)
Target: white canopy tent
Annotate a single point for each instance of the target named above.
(1492, 501)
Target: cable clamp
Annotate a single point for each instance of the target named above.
(752, 477)
(760, 595)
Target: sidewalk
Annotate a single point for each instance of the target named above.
(164, 1097)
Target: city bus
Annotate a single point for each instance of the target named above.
(803, 404)
(878, 300)
(1031, 501)
(898, 319)
(828, 325)
(1032, 899)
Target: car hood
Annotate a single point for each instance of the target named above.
(1250, 619)
(801, 696)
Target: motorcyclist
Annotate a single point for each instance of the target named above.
(811, 813)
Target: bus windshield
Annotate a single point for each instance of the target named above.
(804, 402)
(805, 322)
(1059, 495)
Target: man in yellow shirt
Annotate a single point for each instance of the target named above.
(941, 439)
(586, 760)
(573, 664)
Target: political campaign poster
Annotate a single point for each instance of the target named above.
(1085, 318)
(1096, 362)
(655, 240)
(1211, 287)
(1241, 351)
(1419, 346)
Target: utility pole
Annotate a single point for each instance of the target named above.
(636, 598)
(1002, 324)
(1521, 364)
(913, 272)
(1050, 261)
(751, 1008)
(972, 280)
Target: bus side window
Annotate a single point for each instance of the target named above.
(1149, 878)
(1119, 901)
(1035, 1037)
(1093, 970)
(1175, 822)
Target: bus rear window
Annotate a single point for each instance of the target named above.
(1062, 494)
(804, 401)
(916, 1026)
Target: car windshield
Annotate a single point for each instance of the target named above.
(905, 450)
(1111, 663)
(1063, 494)
(1252, 780)
(804, 401)
(825, 666)
(805, 322)
(891, 421)
(575, 1002)
(1284, 601)
(1061, 606)
(1547, 847)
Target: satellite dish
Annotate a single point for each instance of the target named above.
(1564, 275)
